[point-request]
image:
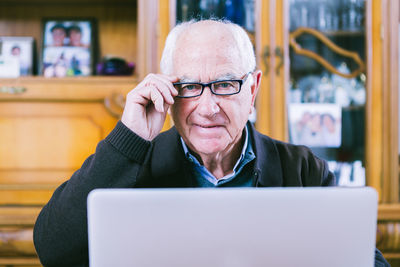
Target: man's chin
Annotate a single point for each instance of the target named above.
(209, 146)
(211, 132)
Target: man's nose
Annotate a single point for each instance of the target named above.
(208, 104)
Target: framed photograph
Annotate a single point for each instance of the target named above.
(68, 47)
(16, 56)
(315, 125)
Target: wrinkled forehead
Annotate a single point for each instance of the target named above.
(206, 29)
(205, 45)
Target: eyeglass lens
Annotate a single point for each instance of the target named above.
(218, 88)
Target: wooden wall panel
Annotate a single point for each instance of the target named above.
(264, 46)
(46, 142)
(43, 143)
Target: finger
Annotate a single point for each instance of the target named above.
(171, 78)
(167, 81)
(153, 92)
(162, 87)
(157, 99)
(166, 92)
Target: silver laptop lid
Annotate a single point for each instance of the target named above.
(331, 227)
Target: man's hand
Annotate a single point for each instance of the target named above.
(147, 105)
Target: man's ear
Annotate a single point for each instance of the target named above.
(256, 85)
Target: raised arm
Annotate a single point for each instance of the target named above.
(60, 233)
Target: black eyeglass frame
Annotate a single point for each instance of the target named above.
(203, 85)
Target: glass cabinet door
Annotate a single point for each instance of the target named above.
(238, 11)
(327, 86)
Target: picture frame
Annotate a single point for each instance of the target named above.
(68, 48)
(16, 56)
(315, 124)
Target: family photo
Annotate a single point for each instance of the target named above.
(16, 54)
(67, 48)
(315, 125)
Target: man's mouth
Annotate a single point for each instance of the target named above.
(208, 126)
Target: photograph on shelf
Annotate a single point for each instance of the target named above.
(68, 48)
(315, 125)
(16, 56)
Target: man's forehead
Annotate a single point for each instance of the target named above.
(207, 27)
(205, 33)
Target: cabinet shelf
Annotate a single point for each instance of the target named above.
(94, 88)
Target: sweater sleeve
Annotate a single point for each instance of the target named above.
(60, 232)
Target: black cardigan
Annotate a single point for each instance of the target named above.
(124, 160)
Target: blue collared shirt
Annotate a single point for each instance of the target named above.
(239, 177)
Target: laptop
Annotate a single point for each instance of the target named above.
(235, 227)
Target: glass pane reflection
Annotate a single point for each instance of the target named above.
(238, 11)
(326, 111)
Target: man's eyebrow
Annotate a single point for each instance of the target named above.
(227, 76)
(184, 79)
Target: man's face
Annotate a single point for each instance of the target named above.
(210, 123)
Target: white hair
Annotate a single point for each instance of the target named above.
(244, 45)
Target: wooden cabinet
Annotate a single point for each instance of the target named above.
(380, 53)
(47, 131)
(48, 126)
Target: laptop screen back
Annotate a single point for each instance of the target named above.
(331, 227)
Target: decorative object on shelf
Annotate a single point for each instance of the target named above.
(12, 90)
(348, 173)
(329, 88)
(16, 56)
(328, 16)
(68, 47)
(210, 8)
(115, 66)
(238, 11)
(308, 53)
(315, 125)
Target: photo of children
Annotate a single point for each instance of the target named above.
(58, 35)
(16, 55)
(315, 125)
(67, 48)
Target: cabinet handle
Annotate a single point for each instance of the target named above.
(279, 53)
(115, 104)
(15, 90)
(299, 50)
(265, 57)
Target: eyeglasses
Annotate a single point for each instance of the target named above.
(222, 87)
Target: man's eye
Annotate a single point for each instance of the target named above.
(224, 85)
(190, 87)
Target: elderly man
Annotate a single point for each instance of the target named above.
(209, 84)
